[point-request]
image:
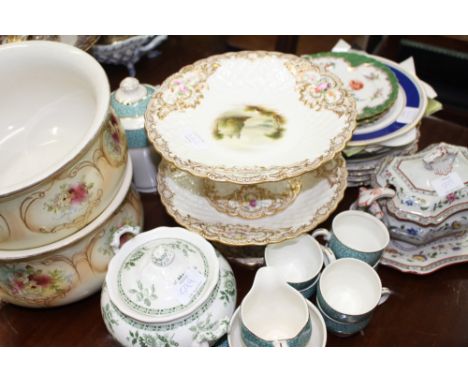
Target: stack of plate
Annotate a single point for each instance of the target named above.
(390, 103)
(251, 143)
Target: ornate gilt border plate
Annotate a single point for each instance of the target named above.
(183, 196)
(373, 85)
(250, 117)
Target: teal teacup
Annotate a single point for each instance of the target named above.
(310, 291)
(349, 291)
(342, 329)
(298, 260)
(358, 235)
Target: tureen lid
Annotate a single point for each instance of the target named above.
(131, 99)
(430, 185)
(162, 275)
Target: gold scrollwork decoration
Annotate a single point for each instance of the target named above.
(5, 231)
(252, 201)
(77, 221)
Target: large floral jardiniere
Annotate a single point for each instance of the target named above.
(73, 268)
(62, 153)
(168, 287)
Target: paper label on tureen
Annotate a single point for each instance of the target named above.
(447, 184)
(188, 284)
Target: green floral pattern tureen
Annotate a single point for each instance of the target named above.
(168, 287)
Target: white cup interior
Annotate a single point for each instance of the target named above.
(272, 309)
(360, 231)
(298, 260)
(53, 99)
(350, 286)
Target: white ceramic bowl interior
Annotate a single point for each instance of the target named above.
(54, 99)
(360, 231)
(350, 286)
(298, 260)
(273, 310)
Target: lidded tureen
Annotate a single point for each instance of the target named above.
(167, 287)
(422, 196)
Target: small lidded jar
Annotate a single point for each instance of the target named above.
(129, 103)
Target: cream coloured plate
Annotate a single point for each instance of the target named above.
(250, 117)
(184, 198)
(319, 330)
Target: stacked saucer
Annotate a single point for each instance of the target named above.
(391, 103)
(251, 143)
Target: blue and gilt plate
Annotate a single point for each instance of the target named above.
(411, 114)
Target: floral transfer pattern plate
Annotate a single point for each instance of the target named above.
(429, 258)
(183, 196)
(373, 85)
(250, 117)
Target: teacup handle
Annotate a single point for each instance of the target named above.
(384, 295)
(115, 242)
(322, 232)
(329, 256)
(280, 343)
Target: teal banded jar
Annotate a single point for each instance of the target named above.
(129, 103)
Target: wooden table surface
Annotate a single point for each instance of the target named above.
(429, 310)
